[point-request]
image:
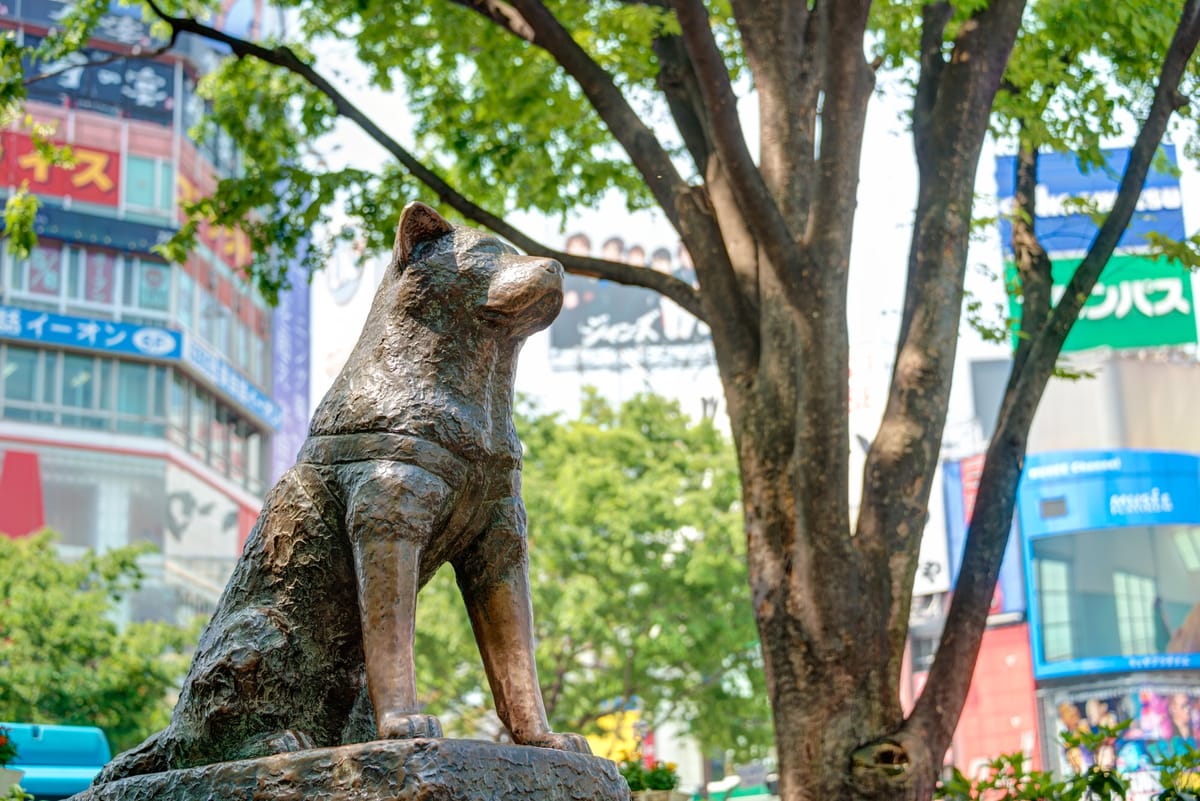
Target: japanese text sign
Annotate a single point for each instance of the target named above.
(95, 335)
(94, 178)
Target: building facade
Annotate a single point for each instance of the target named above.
(140, 401)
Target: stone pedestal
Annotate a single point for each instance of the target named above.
(395, 770)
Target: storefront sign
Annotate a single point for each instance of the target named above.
(227, 380)
(94, 178)
(83, 333)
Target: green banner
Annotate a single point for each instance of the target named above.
(1139, 302)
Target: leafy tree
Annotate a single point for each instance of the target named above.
(63, 659)
(521, 104)
(639, 581)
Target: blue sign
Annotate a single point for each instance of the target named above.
(1066, 229)
(83, 333)
(1099, 519)
(1071, 491)
(229, 381)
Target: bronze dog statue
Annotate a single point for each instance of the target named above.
(411, 462)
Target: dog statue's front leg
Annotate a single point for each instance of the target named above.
(493, 575)
(391, 515)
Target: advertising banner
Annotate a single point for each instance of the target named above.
(602, 322)
(1139, 301)
(102, 336)
(1164, 722)
(1112, 548)
(960, 486)
(94, 178)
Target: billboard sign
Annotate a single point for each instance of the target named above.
(602, 323)
(1111, 546)
(960, 484)
(1139, 301)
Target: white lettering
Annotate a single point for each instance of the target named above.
(1135, 503)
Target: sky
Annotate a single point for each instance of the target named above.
(886, 197)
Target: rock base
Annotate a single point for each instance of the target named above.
(393, 770)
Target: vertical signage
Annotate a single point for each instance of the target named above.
(290, 369)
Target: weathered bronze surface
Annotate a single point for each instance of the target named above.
(411, 462)
(412, 770)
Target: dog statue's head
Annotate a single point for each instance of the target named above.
(463, 277)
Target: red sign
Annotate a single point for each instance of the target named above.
(95, 176)
(229, 245)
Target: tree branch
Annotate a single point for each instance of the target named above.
(645, 151)
(934, 18)
(1033, 265)
(898, 475)
(758, 207)
(847, 82)
(936, 713)
(673, 288)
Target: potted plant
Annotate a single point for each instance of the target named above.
(654, 783)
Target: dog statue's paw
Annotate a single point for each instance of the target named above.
(560, 742)
(408, 727)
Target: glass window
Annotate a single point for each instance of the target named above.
(237, 451)
(1115, 592)
(79, 381)
(20, 374)
(218, 450)
(1134, 596)
(208, 314)
(186, 301)
(45, 270)
(159, 395)
(106, 384)
(147, 285)
(101, 280)
(199, 413)
(177, 410)
(133, 389)
(140, 181)
(16, 273)
(1053, 581)
(166, 186)
(254, 469)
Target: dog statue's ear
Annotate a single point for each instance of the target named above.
(418, 223)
